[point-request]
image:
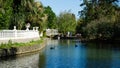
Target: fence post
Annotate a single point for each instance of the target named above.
(37, 28)
(15, 31)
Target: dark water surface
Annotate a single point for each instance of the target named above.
(68, 54)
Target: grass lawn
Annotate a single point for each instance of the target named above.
(10, 44)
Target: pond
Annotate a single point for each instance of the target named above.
(68, 54)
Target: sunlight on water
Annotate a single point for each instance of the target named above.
(68, 54)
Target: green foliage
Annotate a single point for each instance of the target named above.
(79, 25)
(66, 22)
(117, 25)
(100, 29)
(10, 44)
(5, 13)
(98, 21)
(20, 12)
(51, 17)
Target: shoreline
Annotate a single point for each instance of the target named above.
(30, 51)
(98, 40)
(89, 40)
(14, 51)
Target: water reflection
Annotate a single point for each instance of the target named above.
(91, 55)
(115, 59)
(26, 61)
(42, 61)
(98, 58)
(103, 55)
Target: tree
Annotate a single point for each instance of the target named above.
(35, 15)
(100, 29)
(27, 11)
(5, 13)
(99, 20)
(51, 17)
(66, 22)
(79, 26)
(20, 12)
(117, 24)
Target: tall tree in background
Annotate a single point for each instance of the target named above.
(27, 11)
(95, 9)
(35, 15)
(51, 17)
(20, 12)
(99, 18)
(117, 24)
(5, 13)
(66, 22)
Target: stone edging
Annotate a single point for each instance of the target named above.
(21, 50)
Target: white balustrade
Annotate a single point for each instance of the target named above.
(50, 32)
(18, 34)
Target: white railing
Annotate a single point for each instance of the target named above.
(18, 34)
(50, 32)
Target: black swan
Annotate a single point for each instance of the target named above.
(76, 45)
(52, 48)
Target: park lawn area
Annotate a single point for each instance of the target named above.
(10, 44)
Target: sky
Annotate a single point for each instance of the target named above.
(59, 6)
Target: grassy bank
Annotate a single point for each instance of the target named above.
(11, 44)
